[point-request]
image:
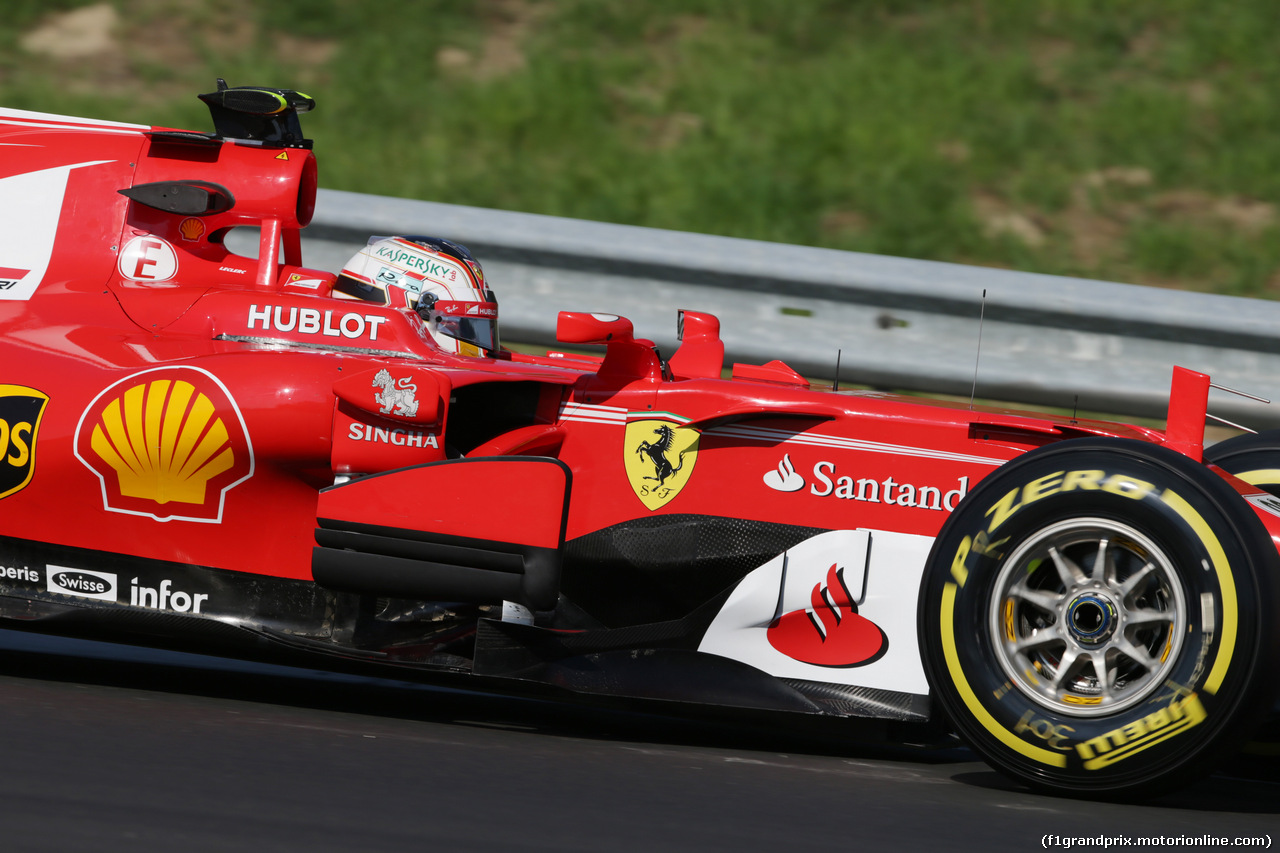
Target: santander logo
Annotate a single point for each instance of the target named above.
(784, 478)
(829, 632)
(830, 481)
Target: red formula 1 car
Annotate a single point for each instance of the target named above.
(240, 454)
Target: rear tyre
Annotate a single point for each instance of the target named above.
(1253, 457)
(1092, 618)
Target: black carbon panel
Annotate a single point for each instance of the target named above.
(848, 701)
(662, 567)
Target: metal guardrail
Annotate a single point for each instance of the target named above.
(899, 323)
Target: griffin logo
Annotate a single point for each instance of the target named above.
(659, 460)
(395, 398)
(20, 411)
(167, 443)
(830, 632)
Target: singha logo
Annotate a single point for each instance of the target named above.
(395, 396)
(658, 469)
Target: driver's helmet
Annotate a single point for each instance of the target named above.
(437, 278)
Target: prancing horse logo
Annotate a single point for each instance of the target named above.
(657, 453)
(660, 456)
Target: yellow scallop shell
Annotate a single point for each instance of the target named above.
(164, 441)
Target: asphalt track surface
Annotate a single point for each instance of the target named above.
(111, 748)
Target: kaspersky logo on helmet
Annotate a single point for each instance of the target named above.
(426, 265)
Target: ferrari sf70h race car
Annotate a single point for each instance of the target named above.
(207, 450)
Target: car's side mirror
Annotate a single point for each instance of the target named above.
(583, 327)
(627, 356)
(701, 352)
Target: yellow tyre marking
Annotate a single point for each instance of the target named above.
(980, 713)
(1226, 582)
(1118, 745)
(1261, 477)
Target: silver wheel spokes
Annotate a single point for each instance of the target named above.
(1088, 616)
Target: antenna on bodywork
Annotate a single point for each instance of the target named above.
(982, 313)
(1238, 393)
(835, 383)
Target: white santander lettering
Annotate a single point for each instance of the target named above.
(822, 478)
(827, 482)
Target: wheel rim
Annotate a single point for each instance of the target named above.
(1088, 617)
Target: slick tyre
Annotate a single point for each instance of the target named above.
(1096, 618)
(1254, 458)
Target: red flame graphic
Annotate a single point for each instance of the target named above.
(831, 632)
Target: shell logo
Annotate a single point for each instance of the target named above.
(191, 229)
(167, 443)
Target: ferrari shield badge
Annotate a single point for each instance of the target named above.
(659, 456)
(20, 411)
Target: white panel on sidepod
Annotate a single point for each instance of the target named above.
(881, 571)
